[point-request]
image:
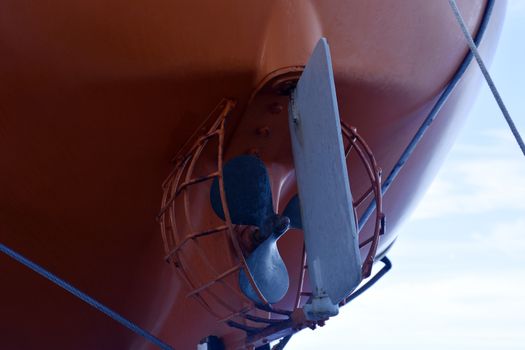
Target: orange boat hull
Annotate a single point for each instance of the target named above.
(96, 97)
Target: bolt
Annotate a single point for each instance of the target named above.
(263, 131)
(275, 108)
(254, 152)
(281, 224)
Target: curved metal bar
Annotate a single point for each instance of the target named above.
(172, 189)
(227, 217)
(387, 267)
(301, 278)
(374, 173)
(431, 117)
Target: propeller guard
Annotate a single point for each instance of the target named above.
(217, 290)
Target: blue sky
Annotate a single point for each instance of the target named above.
(458, 280)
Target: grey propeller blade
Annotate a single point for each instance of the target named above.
(266, 264)
(248, 191)
(334, 261)
(268, 270)
(249, 198)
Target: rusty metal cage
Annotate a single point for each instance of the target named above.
(229, 304)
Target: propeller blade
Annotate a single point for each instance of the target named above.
(293, 212)
(269, 273)
(248, 191)
(332, 246)
(249, 198)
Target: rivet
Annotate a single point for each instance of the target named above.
(275, 108)
(254, 152)
(263, 131)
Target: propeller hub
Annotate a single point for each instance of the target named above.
(275, 225)
(281, 224)
(250, 203)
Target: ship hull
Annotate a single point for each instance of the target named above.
(96, 97)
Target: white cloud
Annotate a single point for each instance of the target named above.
(460, 245)
(507, 238)
(481, 179)
(459, 313)
(516, 7)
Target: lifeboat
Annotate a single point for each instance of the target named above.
(147, 159)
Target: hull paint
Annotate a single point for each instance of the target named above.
(96, 97)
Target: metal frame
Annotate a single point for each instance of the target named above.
(176, 193)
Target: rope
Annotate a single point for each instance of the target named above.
(430, 117)
(84, 297)
(492, 86)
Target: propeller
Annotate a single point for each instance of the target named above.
(249, 199)
(325, 213)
